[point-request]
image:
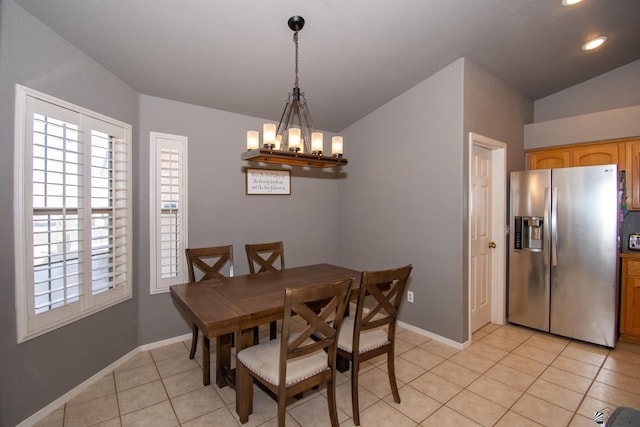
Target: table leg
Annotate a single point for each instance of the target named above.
(244, 397)
(246, 339)
(223, 359)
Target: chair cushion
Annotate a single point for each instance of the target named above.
(624, 417)
(369, 340)
(264, 361)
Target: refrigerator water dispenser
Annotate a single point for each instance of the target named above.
(528, 233)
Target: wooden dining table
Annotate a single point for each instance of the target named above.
(237, 304)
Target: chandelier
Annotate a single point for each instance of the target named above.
(294, 141)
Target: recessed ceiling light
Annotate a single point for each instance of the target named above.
(570, 2)
(594, 43)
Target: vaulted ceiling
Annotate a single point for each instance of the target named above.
(355, 55)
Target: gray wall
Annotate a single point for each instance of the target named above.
(599, 126)
(605, 107)
(616, 89)
(34, 373)
(402, 202)
(496, 110)
(220, 212)
(405, 200)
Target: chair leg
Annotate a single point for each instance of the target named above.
(244, 393)
(194, 341)
(273, 330)
(391, 367)
(282, 405)
(331, 400)
(355, 407)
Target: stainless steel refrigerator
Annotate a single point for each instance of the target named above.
(563, 252)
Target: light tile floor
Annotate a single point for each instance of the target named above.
(509, 376)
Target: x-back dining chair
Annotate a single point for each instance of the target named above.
(205, 264)
(295, 362)
(370, 332)
(265, 257)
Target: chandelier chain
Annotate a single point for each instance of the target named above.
(295, 40)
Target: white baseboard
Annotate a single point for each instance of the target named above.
(168, 341)
(42, 413)
(431, 335)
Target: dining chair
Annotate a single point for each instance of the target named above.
(371, 330)
(295, 362)
(266, 257)
(205, 264)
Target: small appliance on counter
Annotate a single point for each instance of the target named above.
(634, 241)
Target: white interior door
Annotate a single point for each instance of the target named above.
(481, 237)
(487, 226)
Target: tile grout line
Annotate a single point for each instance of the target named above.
(164, 387)
(497, 362)
(536, 378)
(462, 388)
(584, 394)
(115, 387)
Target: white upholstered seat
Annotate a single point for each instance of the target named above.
(264, 361)
(369, 340)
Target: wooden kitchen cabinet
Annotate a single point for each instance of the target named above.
(598, 154)
(602, 153)
(630, 298)
(549, 158)
(623, 152)
(633, 173)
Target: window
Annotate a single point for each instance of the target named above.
(73, 215)
(168, 210)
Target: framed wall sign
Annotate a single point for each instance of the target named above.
(268, 181)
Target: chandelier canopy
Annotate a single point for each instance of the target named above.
(294, 141)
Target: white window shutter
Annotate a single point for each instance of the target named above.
(168, 210)
(73, 248)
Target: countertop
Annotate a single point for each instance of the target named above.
(630, 254)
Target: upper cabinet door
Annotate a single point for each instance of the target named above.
(597, 154)
(549, 159)
(633, 174)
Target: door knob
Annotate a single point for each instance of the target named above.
(492, 245)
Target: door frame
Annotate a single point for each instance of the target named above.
(498, 225)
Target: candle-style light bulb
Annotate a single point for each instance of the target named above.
(336, 146)
(294, 139)
(316, 143)
(268, 135)
(253, 139)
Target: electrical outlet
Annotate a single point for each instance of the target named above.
(410, 296)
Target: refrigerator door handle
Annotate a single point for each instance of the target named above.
(546, 223)
(554, 226)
